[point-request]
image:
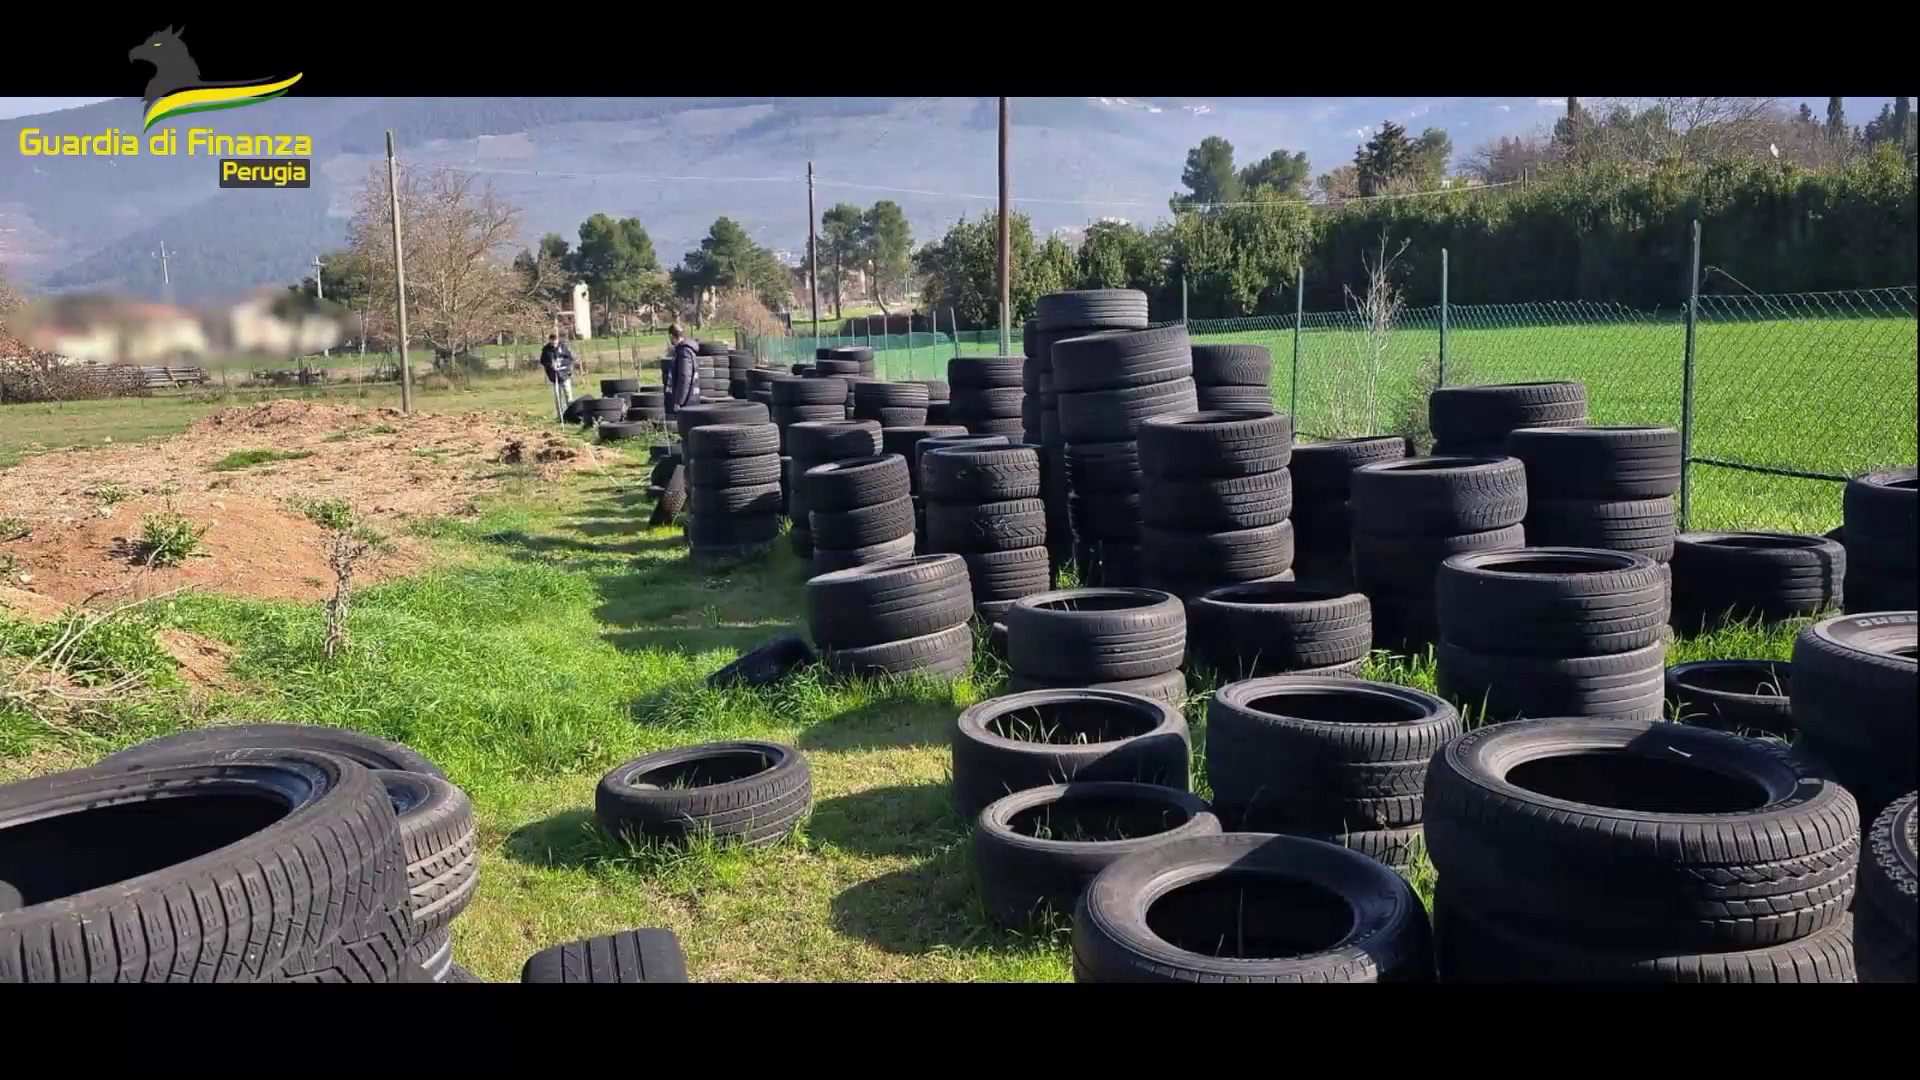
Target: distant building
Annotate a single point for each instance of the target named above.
(582, 313)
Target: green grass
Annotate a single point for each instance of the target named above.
(557, 636)
(247, 459)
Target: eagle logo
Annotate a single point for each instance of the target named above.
(176, 87)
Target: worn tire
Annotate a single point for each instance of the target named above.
(1322, 470)
(947, 652)
(980, 474)
(1770, 576)
(1232, 365)
(1854, 687)
(1410, 565)
(442, 855)
(1642, 526)
(1274, 628)
(1170, 687)
(1884, 914)
(1096, 635)
(631, 956)
(1113, 361)
(1551, 601)
(1724, 842)
(1105, 308)
(1184, 561)
(1485, 415)
(1599, 463)
(370, 751)
(802, 393)
(1216, 504)
(1438, 496)
(851, 483)
(1376, 930)
(1116, 415)
(1215, 444)
(754, 792)
(727, 440)
(996, 526)
(825, 560)
(1004, 576)
(1022, 873)
(872, 605)
(862, 526)
(734, 472)
(765, 664)
(1745, 697)
(733, 530)
(1128, 737)
(760, 500)
(1625, 685)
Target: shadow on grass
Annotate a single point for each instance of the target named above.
(570, 839)
(924, 908)
(525, 546)
(693, 640)
(882, 725)
(900, 819)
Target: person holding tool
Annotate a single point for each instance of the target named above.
(683, 370)
(557, 360)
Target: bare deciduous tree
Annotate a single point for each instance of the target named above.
(1356, 395)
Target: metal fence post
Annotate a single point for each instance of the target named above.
(953, 331)
(1443, 317)
(1686, 385)
(1183, 296)
(1299, 315)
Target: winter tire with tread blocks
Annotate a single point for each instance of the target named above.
(442, 850)
(1884, 916)
(630, 956)
(744, 789)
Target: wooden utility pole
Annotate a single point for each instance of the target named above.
(166, 275)
(813, 256)
(1006, 250)
(399, 279)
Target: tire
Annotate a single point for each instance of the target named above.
(240, 864)
(969, 441)
(947, 652)
(1484, 415)
(611, 387)
(890, 395)
(743, 790)
(803, 392)
(1626, 685)
(984, 372)
(971, 403)
(1334, 916)
(732, 530)
(710, 348)
(369, 751)
(1001, 576)
(1884, 922)
(906, 441)
(1719, 577)
(622, 429)
(1606, 464)
(1322, 470)
(735, 472)
(1882, 515)
(1854, 682)
(1184, 559)
(442, 856)
(762, 500)
(980, 474)
(996, 526)
(733, 441)
(1220, 443)
(765, 665)
(858, 354)
(1096, 635)
(1114, 361)
(1321, 526)
(1410, 565)
(1232, 365)
(802, 541)
(1438, 496)
(1642, 526)
(647, 414)
(1024, 866)
(1870, 588)
(1253, 399)
(872, 605)
(851, 483)
(1103, 466)
(1105, 515)
(861, 527)
(434, 957)
(1276, 627)
(838, 367)
(1349, 755)
(1103, 308)
(667, 509)
(821, 441)
(1542, 601)
(1745, 697)
(1170, 688)
(1714, 842)
(691, 418)
(1128, 738)
(939, 390)
(631, 956)
(827, 560)
(1216, 505)
(1473, 949)
(1115, 415)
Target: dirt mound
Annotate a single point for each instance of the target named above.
(286, 413)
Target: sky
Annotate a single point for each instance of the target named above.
(11, 107)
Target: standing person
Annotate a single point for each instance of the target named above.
(683, 370)
(557, 360)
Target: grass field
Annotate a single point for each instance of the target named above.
(556, 636)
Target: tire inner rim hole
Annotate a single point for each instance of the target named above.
(1755, 680)
(1623, 780)
(1096, 603)
(1097, 819)
(1066, 723)
(1425, 465)
(1551, 564)
(1910, 652)
(722, 768)
(1251, 916)
(68, 854)
(1762, 543)
(1330, 707)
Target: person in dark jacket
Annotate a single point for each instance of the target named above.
(683, 371)
(557, 360)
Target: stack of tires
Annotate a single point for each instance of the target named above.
(1322, 520)
(844, 360)
(1855, 692)
(1108, 385)
(859, 512)
(760, 384)
(1881, 531)
(939, 400)
(1474, 421)
(801, 399)
(1280, 628)
(906, 441)
(1214, 500)
(741, 791)
(647, 404)
(892, 405)
(983, 504)
(1233, 377)
(1411, 515)
(1721, 577)
(1038, 738)
(1601, 487)
(1601, 851)
(907, 616)
(595, 411)
(713, 370)
(738, 364)
(812, 443)
(1885, 930)
(1553, 632)
(1337, 759)
(734, 502)
(619, 387)
(339, 857)
(1128, 640)
(988, 394)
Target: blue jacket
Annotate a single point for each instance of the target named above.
(683, 374)
(558, 361)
